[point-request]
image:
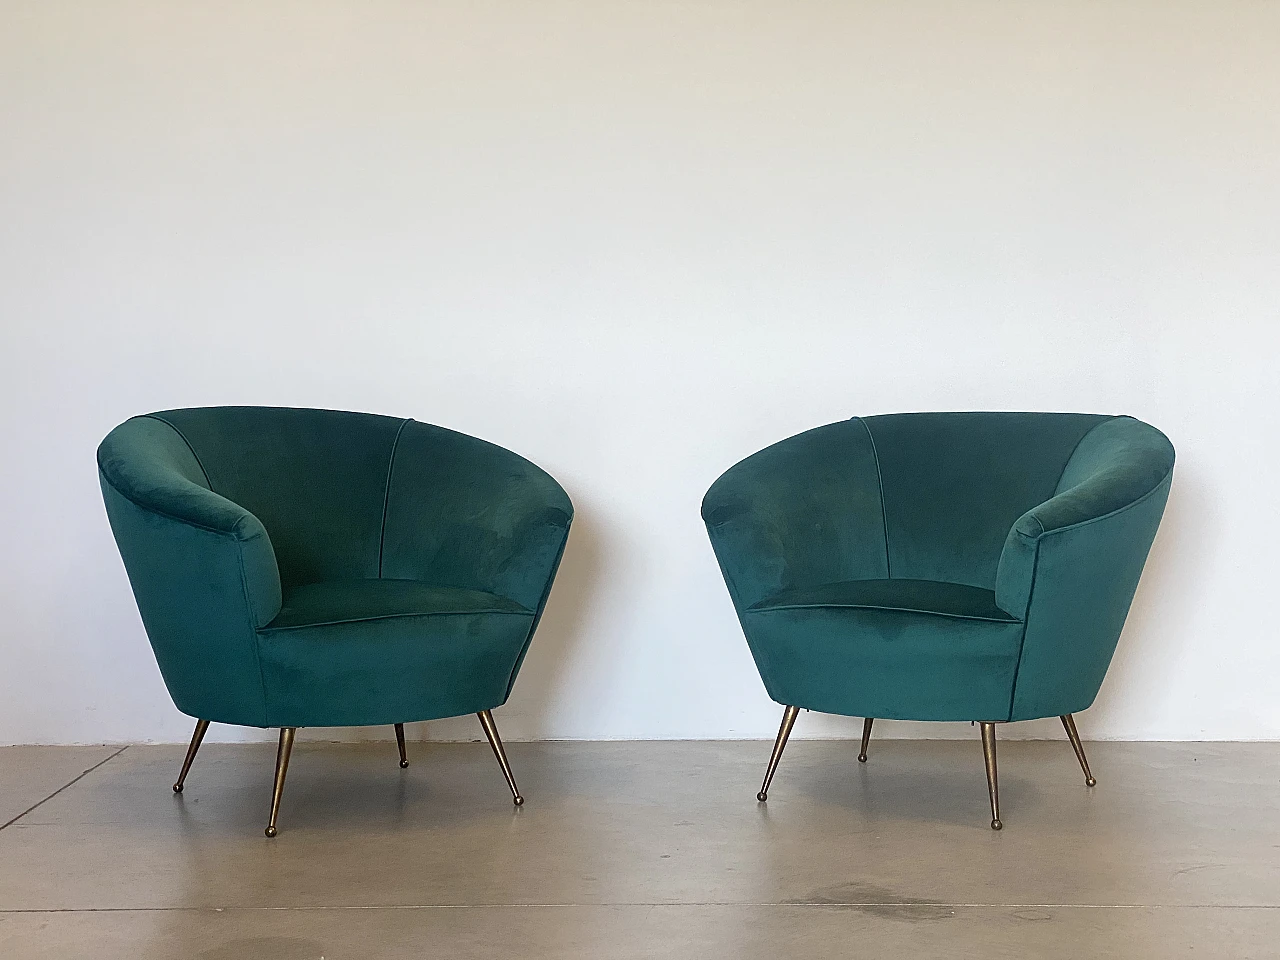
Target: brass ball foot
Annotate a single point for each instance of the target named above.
(271, 831)
(1091, 782)
(177, 788)
(518, 800)
(997, 825)
(762, 796)
(403, 764)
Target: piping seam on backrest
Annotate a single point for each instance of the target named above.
(183, 437)
(1026, 625)
(537, 614)
(257, 638)
(884, 514)
(386, 495)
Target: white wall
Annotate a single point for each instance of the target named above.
(636, 241)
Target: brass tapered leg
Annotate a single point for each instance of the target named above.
(788, 721)
(201, 727)
(1069, 724)
(404, 757)
(993, 785)
(866, 738)
(282, 767)
(495, 741)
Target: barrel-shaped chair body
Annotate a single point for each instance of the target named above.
(941, 566)
(302, 567)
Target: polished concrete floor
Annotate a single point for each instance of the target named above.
(634, 850)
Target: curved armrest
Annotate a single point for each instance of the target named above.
(146, 462)
(468, 513)
(1116, 466)
(806, 510)
(165, 489)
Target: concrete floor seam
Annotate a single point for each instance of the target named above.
(70, 783)
(692, 904)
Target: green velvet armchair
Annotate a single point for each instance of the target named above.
(940, 566)
(319, 568)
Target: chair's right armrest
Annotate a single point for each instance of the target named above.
(1120, 463)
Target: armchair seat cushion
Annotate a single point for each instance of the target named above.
(366, 652)
(910, 596)
(894, 649)
(351, 601)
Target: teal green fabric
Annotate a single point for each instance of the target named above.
(1010, 548)
(291, 569)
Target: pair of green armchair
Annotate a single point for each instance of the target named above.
(320, 568)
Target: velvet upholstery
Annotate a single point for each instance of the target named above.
(941, 566)
(316, 567)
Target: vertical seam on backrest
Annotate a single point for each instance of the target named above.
(884, 514)
(183, 437)
(537, 614)
(1072, 454)
(386, 494)
(257, 638)
(1026, 625)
